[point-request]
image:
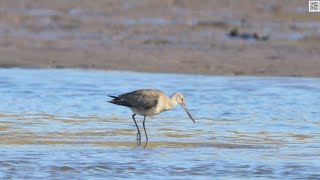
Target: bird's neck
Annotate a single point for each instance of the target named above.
(171, 104)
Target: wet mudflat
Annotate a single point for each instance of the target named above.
(212, 37)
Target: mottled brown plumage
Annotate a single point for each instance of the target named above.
(148, 102)
(145, 99)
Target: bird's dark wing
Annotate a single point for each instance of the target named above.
(118, 101)
(144, 99)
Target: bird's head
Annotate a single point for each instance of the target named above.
(179, 98)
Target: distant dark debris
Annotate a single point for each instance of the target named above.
(234, 33)
(157, 41)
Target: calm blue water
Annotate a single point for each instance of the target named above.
(57, 124)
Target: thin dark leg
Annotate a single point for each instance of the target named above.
(138, 134)
(138, 143)
(144, 127)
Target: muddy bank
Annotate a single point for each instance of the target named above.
(168, 36)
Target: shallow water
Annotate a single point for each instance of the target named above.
(57, 123)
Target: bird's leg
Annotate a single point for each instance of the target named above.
(138, 143)
(144, 127)
(138, 134)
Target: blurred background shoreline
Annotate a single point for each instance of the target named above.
(170, 36)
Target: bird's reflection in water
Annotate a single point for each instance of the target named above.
(139, 143)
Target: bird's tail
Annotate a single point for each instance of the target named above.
(113, 96)
(114, 99)
(118, 101)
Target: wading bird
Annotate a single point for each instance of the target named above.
(148, 102)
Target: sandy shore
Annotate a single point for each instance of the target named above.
(178, 36)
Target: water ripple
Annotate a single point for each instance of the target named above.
(58, 123)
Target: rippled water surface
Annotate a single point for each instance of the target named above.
(58, 124)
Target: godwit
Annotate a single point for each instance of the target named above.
(148, 102)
